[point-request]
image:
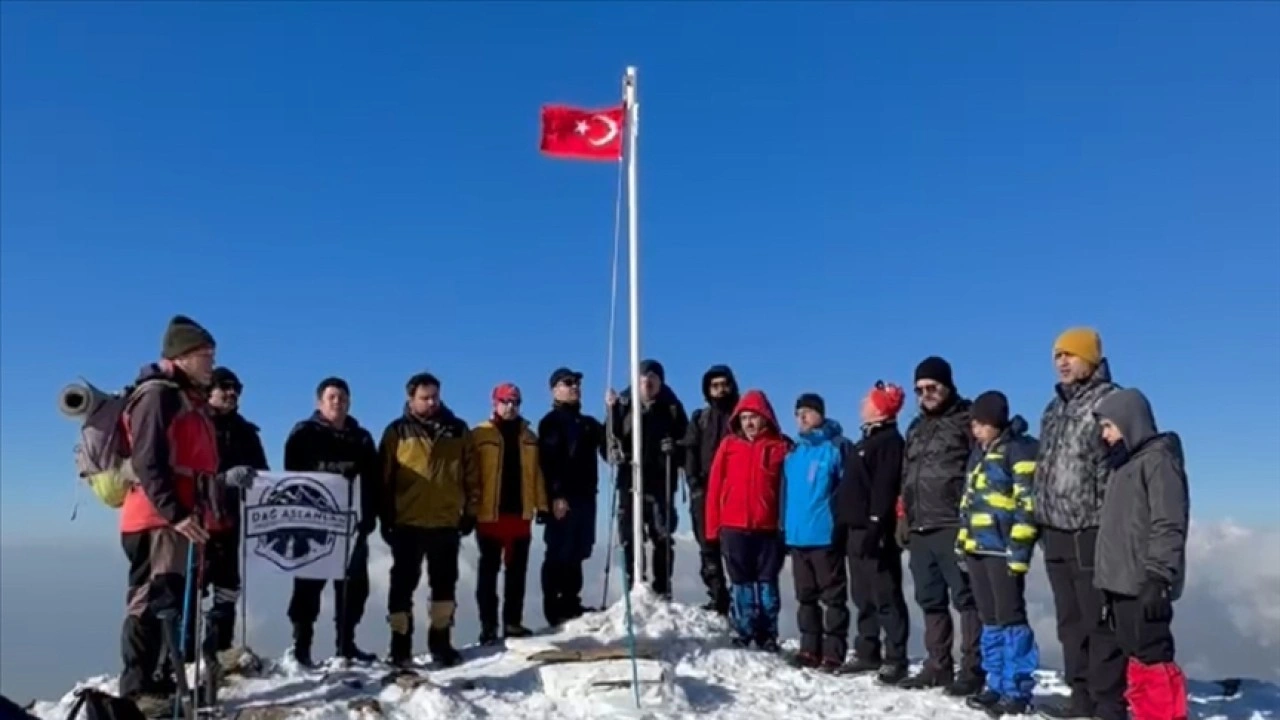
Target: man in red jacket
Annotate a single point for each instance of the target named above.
(173, 447)
(743, 515)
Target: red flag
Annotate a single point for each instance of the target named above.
(575, 133)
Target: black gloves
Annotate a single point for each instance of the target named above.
(1157, 605)
(466, 525)
(668, 446)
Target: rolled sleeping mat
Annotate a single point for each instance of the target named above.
(79, 400)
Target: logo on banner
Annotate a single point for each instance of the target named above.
(296, 523)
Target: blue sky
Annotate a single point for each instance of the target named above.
(829, 193)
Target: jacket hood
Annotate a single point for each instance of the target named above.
(1130, 411)
(755, 401)
(1102, 374)
(716, 371)
(153, 371)
(1017, 428)
(827, 431)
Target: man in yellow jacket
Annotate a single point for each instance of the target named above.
(431, 495)
(512, 493)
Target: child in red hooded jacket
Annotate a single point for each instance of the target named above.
(743, 506)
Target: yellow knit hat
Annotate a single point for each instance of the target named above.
(1083, 342)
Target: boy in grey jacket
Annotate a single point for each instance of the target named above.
(1141, 551)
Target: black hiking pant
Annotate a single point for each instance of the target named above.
(1094, 666)
(938, 577)
(876, 584)
(353, 593)
(998, 593)
(569, 543)
(410, 546)
(218, 575)
(711, 563)
(822, 612)
(498, 554)
(157, 577)
(660, 522)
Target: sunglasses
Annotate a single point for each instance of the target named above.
(715, 384)
(570, 382)
(928, 389)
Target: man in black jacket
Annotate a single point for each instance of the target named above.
(707, 428)
(937, 454)
(664, 423)
(865, 509)
(238, 444)
(332, 441)
(569, 445)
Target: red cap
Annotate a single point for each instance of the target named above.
(887, 399)
(506, 391)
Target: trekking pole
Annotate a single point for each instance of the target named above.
(201, 619)
(608, 555)
(176, 658)
(346, 570)
(670, 551)
(244, 569)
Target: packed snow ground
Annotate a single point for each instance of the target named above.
(696, 674)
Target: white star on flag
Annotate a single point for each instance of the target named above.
(581, 127)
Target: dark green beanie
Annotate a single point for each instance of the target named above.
(183, 336)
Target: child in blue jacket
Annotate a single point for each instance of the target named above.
(996, 538)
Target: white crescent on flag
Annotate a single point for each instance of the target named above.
(612, 131)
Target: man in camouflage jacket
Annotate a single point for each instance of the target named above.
(1071, 477)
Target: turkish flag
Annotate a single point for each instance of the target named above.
(574, 133)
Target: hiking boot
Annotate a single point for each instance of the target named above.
(804, 659)
(1008, 706)
(302, 634)
(516, 631)
(965, 685)
(1078, 707)
(489, 635)
(211, 676)
(740, 643)
(768, 644)
(441, 647)
(891, 674)
(860, 666)
(983, 700)
(928, 677)
(831, 666)
(401, 654)
(349, 650)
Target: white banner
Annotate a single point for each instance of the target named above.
(301, 525)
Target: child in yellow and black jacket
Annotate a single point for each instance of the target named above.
(996, 539)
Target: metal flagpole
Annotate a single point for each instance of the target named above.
(633, 282)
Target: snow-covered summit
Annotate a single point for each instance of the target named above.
(688, 669)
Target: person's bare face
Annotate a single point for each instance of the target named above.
(719, 387)
(985, 434)
(1110, 433)
(334, 404)
(568, 390)
(932, 394)
(650, 385)
(807, 419)
(425, 400)
(1071, 369)
(508, 409)
(197, 365)
(751, 424)
(225, 397)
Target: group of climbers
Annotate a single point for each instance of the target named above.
(966, 492)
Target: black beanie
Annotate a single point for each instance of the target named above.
(224, 376)
(813, 401)
(936, 369)
(655, 367)
(991, 408)
(183, 336)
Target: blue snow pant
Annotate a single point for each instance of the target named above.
(569, 542)
(1009, 652)
(753, 560)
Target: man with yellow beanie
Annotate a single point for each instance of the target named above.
(1071, 477)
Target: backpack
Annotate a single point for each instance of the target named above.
(99, 705)
(102, 455)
